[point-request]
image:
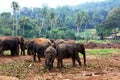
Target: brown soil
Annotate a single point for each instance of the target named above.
(23, 68)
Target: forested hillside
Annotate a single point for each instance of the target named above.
(62, 22)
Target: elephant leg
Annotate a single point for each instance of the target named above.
(73, 60)
(28, 52)
(58, 63)
(12, 52)
(78, 59)
(34, 56)
(39, 57)
(23, 52)
(17, 51)
(52, 62)
(61, 62)
(1, 53)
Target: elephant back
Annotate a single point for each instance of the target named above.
(2, 38)
(58, 41)
(42, 41)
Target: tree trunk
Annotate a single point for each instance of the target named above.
(13, 27)
(16, 23)
(23, 28)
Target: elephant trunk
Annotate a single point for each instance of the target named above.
(48, 62)
(84, 57)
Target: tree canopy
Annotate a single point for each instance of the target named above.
(62, 22)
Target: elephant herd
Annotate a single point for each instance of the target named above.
(44, 48)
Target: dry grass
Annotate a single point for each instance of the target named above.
(98, 68)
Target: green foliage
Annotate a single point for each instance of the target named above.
(62, 22)
(61, 32)
(5, 31)
(113, 18)
(110, 24)
(102, 31)
(100, 51)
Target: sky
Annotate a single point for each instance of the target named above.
(5, 5)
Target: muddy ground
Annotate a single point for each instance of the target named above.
(105, 67)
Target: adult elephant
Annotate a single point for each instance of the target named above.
(29, 45)
(39, 45)
(10, 43)
(70, 50)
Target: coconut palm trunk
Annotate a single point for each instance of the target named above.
(15, 7)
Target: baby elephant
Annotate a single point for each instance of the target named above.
(50, 54)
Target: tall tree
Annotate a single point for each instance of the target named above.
(15, 7)
(44, 14)
(23, 22)
(5, 23)
(86, 21)
(113, 20)
(79, 20)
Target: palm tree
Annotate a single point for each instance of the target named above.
(86, 21)
(79, 19)
(24, 20)
(15, 7)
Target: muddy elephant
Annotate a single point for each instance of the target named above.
(50, 54)
(70, 50)
(10, 43)
(39, 45)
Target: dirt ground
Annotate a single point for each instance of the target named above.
(98, 68)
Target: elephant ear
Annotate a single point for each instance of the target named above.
(80, 47)
(20, 39)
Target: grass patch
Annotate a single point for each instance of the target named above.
(17, 69)
(21, 69)
(7, 52)
(99, 41)
(101, 51)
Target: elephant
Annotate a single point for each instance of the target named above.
(38, 46)
(23, 47)
(50, 54)
(11, 43)
(29, 47)
(70, 50)
(22, 42)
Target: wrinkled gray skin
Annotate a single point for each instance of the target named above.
(10, 43)
(39, 46)
(59, 41)
(23, 47)
(50, 54)
(29, 46)
(70, 50)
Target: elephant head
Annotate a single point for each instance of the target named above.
(81, 49)
(20, 40)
